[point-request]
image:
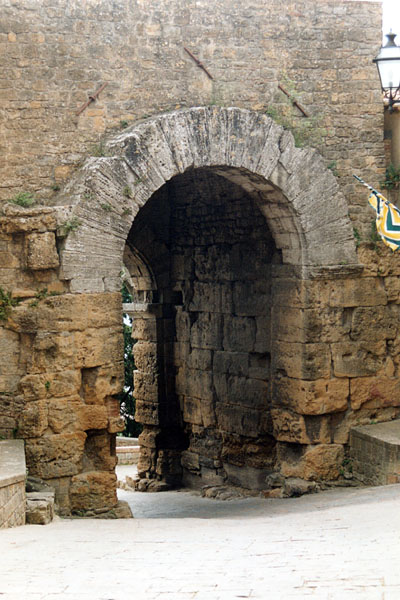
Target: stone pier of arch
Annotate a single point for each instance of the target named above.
(262, 333)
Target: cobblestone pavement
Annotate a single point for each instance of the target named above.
(342, 544)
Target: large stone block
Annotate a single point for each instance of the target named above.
(289, 426)
(357, 292)
(93, 490)
(63, 414)
(192, 410)
(101, 382)
(235, 363)
(145, 356)
(199, 384)
(52, 351)
(199, 411)
(211, 297)
(374, 392)
(313, 325)
(95, 347)
(147, 413)
(252, 393)
(298, 293)
(42, 251)
(199, 358)
(239, 334)
(312, 397)
(319, 462)
(55, 455)
(251, 298)
(358, 359)
(33, 421)
(373, 324)
(210, 263)
(392, 287)
(146, 386)
(144, 329)
(379, 265)
(57, 385)
(263, 335)
(39, 508)
(206, 331)
(91, 417)
(9, 352)
(302, 361)
(147, 460)
(236, 419)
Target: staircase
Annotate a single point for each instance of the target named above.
(375, 453)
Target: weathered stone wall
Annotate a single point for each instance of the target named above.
(12, 483)
(55, 53)
(61, 368)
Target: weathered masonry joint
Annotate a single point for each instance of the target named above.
(262, 335)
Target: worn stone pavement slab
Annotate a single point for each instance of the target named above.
(342, 544)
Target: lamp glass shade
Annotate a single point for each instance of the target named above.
(388, 63)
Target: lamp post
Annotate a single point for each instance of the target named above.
(388, 64)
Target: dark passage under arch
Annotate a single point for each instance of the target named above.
(202, 386)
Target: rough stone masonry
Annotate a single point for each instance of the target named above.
(264, 329)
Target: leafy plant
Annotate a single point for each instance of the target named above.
(106, 207)
(47, 386)
(55, 187)
(7, 302)
(24, 199)
(357, 236)
(332, 166)
(127, 192)
(123, 124)
(392, 177)
(99, 150)
(70, 225)
(40, 295)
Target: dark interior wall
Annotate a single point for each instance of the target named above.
(211, 252)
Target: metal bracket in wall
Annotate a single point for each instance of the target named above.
(293, 101)
(91, 98)
(198, 63)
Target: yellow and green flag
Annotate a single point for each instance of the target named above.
(387, 217)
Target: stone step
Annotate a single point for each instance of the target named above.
(375, 453)
(39, 508)
(128, 455)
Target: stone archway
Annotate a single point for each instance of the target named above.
(306, 215)
(309, 220)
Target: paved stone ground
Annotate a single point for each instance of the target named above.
(342, 544)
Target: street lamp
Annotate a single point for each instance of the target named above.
(388, 63)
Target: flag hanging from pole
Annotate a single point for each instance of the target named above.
(387, 217)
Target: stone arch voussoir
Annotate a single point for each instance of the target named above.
(298, 195)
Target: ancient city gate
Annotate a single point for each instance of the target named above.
(241, 260)
(226, 233)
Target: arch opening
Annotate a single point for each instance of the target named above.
(203, 345)
(206, 417)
